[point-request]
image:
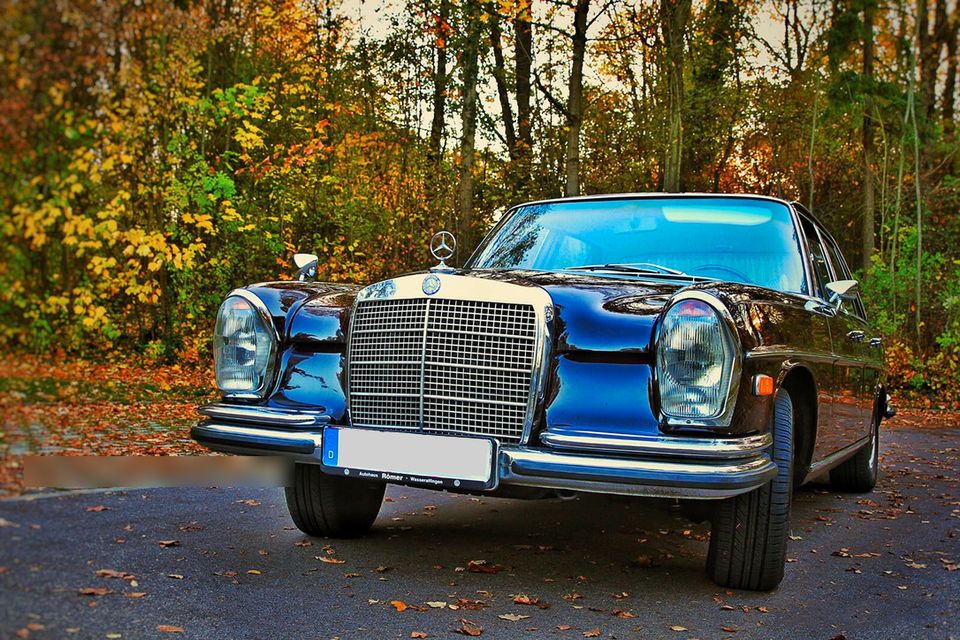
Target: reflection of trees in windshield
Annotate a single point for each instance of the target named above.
(512, 244)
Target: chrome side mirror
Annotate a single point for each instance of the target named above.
(842, 290)
(306, 264)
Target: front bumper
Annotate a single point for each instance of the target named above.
(667, 467)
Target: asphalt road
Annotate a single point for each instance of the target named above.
(875, 566)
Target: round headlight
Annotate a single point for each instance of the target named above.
(694, 361)
(243, 349)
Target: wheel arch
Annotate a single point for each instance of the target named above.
(800, 382)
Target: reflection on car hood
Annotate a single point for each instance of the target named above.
(597, 312)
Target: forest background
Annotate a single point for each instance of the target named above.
(156, 154)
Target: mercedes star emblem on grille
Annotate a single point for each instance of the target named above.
(431, 284)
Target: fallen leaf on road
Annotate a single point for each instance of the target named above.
(98, 509)
(677, 627)
(470, 605)
(329, 560)
(762, 609)
(564, 627)
(6, 523)
(164, 544)
(303, 543)
(624, 615)
(399, 605)
(94, 591)
(254, 572)
(175, 576)
(135, 594)
(621, 595)
(468, 628)
(482, 566)
(437, 605)
(383, 569)
(643, 562)
(169, 628)
(111, 573)
(418, 634)
(512, 617)
(592, 633)
(249, 502)
(729, 629)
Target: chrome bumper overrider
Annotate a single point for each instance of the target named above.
(660, 467)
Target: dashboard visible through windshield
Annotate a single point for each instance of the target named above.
(752, 241)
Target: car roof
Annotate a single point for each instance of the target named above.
(654, 194)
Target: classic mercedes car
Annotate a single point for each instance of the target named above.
(685, 347)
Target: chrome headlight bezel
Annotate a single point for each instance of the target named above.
(732, 366)
(266, 338)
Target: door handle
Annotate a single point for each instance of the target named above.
(876, 342)
(856, 336)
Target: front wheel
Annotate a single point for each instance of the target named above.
(328, 506)
(748, 539)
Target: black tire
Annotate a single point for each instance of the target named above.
(859, 474)
(328, 506)
(748, 539)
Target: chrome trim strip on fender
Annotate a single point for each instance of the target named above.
(835, 458)
(701, 448)
(263, 415)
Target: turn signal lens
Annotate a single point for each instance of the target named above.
(762, 385)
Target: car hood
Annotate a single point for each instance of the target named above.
(593, 312)
(597, 312)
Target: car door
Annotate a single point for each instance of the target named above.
(859, 351)
(829, 437)
(848, 336)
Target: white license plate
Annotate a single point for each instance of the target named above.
(410, 458)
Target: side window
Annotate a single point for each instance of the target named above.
(818, 257)
(842, 271)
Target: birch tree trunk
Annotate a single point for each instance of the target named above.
(575, 98)
(869, 200)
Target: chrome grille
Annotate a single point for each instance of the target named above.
(443, 366)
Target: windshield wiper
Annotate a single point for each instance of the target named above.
(636, 267)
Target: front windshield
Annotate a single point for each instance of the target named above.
(737, 239)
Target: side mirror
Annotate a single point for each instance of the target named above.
(306, 264)
(842, 290)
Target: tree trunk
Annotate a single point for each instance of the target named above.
(674, 15)
(950, 85)
(469, 63)
(523, 52)
(575, 98)
(869, 205)
(500, 76)
(439, 84)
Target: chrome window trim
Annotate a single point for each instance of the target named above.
(454, 287)
(725, 416)
(270, 374)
